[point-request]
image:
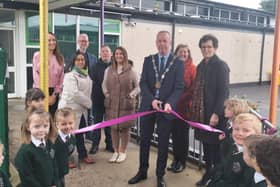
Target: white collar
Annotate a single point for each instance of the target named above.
(62, 135)
(258, 177)
(37, 142)
(239, 148)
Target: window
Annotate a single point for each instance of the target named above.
(203, 11)
(112, 41)
(224, 15)
(65, 31)
(215, 13)
(90, 27)
(32, 27)
(180, 8)
(190, 10)
(153, 5)
(252, 19)
(261, 20)
(112, 26)
(7, 18)
(234, 16)
(112, 31)
(244, 17)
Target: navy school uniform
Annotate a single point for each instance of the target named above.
(258, 180)
(36, 165)
(226, 143)
(64, 147)
(232, 171)
(4, 180)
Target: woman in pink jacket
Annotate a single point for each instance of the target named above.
(56, 72)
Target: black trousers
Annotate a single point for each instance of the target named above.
(180, 140)
(211, 155)
(96, 134)
(147, 124)
(80, 142)
(53, 108)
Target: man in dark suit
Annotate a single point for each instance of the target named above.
(161, 86)
(211, 91)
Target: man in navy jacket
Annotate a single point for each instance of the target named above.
(161, 86)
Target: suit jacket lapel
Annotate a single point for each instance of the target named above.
(169, 59)
(156, 60)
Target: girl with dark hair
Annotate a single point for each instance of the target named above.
(56, 72)
(76, 94)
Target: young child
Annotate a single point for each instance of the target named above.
(267, 156)
(35, 159)
(233, 107)
(4, 180)
(65, 142)
(249, 156)
(233, 171)
(34, 99)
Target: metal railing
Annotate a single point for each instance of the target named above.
(195, 152)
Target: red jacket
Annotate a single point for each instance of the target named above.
(184, 104)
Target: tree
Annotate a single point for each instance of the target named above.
(268, 5)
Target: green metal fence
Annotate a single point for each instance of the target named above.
(4, 109)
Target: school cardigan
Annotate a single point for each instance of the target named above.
(36, 166)
(4, 180)
(232, 172)
(63, 151)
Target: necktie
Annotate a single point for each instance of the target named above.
(161, 65)
(42, 145)
(67, 138)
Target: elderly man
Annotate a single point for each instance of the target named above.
(161, 85)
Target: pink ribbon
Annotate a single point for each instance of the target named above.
(140, 114)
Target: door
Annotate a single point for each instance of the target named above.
(7, 42)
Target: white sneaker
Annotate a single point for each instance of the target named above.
(114, 157)
(121, 158)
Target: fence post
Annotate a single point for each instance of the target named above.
(4, 110)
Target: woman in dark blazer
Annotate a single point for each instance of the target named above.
(211, 90)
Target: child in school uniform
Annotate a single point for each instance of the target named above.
(249, 156)
(65, 142)
(233, 107)
(233, 171)
(267, 156)
(4, 180)
(34, 99)
(35, 159)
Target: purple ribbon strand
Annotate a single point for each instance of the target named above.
(140, 114)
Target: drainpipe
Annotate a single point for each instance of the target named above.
(261, 61)
(102, 23)
(173, 35)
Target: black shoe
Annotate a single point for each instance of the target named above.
(138, 177)
(172, 166)
(109, 148)
(161, 182)
(179, 167)
(204, 180)
(93, 149)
